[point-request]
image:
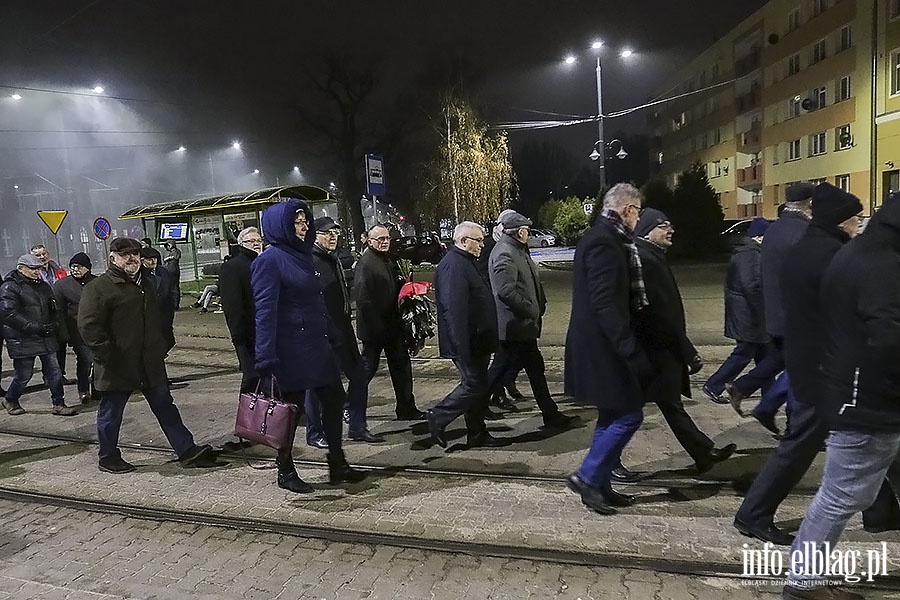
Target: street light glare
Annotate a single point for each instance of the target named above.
(236, 145)
(181, 148)
(16, 97)
(570, 60)
(256, 171)
(597, 45)
(98, 89)
(296, 169)
(626, 53)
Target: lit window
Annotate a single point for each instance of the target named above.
(817, 144)
(794, 149)
(895, 72)
(794, 107)
(843, 137)
(819, 98)
(843, 182)
(844, 90)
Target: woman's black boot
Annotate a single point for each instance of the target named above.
(287, 475)
(339, 471)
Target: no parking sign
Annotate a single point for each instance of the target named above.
(101, 228)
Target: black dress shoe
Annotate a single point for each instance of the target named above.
(514, 393)
(484, 440)
(614, 498)
(716, 455)
(623, 475)
(596, 501)
(881, 528)
(340, 471)
(411, 415)
(766, 533)
(490, 415)
(365, 436)
(504, 403)
(735, 398)
(767, 421)
(717, 398)
(576, 483)
(558, 420)
(319, 443)
(292, 483)
(436, 431)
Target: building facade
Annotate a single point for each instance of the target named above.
(789, 95)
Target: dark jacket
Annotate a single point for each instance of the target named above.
(376, 285)
(467, 317)
(236, 297)
(335, 295)
(744, 312)
(861, 302)
(29, 315)
(801, 280)
(779, 239)
(167, 292)
(660, 327)
(120, 322)
(67, 292)
(603, 360)
(292, 326)
(518, 292)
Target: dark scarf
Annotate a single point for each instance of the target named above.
(330, 255)
(626, 235)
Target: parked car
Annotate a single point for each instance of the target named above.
(540, 238)
(734, 234)
(420, 248)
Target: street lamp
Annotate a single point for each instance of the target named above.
(16, 97)
(236, 145)
(181, 149)
(98, 89)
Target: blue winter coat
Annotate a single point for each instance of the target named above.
(292, 326)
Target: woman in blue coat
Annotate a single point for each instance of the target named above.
(293, 333)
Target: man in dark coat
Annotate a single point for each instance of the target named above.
(236, 297)
(604, 363)
(662, 331)
(834, 222)
(67, 292)
(467, 324)
(166, 291)
(31, 323)
(779, 239)
(337, 303)
(744, 317)
(860, 391)
(376, 286)
(119, 319)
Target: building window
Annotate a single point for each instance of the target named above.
(716, 170)
(717, 136)
(817, 144)
(775, 154)
(794, 65)
(794, 107)
(818, 53)
(819, 6)
(843, 182)
(817, 180)
(704, 141)
(895, 72)
(846, 38)
(895, 9)
(794, 149)
(794, 19)
(819, 98)
(843, 138)
(844, 91)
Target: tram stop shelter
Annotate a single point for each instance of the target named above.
(205, 228)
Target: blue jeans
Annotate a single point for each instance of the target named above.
(855, 467)
(743, 354)
(613, 432)
(24, 369)
(112, 407)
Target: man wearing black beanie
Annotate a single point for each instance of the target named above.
(67, 292)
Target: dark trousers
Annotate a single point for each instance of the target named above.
(777, 395)
(664, 390)
(512, 357)
(112, 408)
(24, 370)
(613, 432)
(761, 376)
(246, 362)
(400, 368)
(470, 397)
(84, 367)
(330, 399)
(357, 395)
(788, 464)
(743, 354)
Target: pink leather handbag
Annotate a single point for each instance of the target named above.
(264, 419)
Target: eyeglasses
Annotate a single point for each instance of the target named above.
(479, 241)
(381, 240)
(331, 232)
(254, 241)
(665, 225)
(639, 208)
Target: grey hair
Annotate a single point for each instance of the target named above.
(245, 232)
(620, 195)
(464, 229)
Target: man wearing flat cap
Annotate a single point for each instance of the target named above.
(31, 321)
(661, 330)
(67, 292)
(119, 319)
(521, 303)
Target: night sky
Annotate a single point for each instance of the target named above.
(210, 71)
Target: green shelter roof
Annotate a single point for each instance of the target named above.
(272, 195)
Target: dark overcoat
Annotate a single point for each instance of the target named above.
(518, 292)
(779, 239)
(467, 317)
(120, 322)
(167, 292)
(661, 327)
(293, 329)
(67, 292)
(236, 297)
(376, 286)
(336, 297)
(603, 360)
(30, 317)
(744, 312)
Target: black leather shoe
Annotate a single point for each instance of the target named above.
(767, 421)
(558, 420)
(596, 501)
(437, 432)
(411, 415)
(623, 475)
(116, 465)
(490, 415)
(614, 498)
(484, 440)
(319, 443)
(576, 483)
(881, 528)
(716, 455)
(340, 471)
(734, 398)
(292, 483)
(504, 403)
(202, 457)
(514, 393)
(717, 398)
(365, 436)
(766, 533)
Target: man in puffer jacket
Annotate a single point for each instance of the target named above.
(30, 328)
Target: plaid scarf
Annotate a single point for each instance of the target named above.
(638, 291)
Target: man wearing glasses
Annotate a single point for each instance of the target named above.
(119, 319)
(376, 286)
(68, 296)
(236, 296)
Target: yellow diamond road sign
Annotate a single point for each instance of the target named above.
(53, 218)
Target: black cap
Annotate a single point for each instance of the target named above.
(832, 205)
(151, 253)
(650, 219)
(325, 224)
(81, 259)
(799, 192)
(124, 244)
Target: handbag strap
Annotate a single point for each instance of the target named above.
(264, 467)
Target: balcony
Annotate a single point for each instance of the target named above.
(750, 141)
(749, 101)
(750, 178)
(747, 64)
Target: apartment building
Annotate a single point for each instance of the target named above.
(786, 96)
